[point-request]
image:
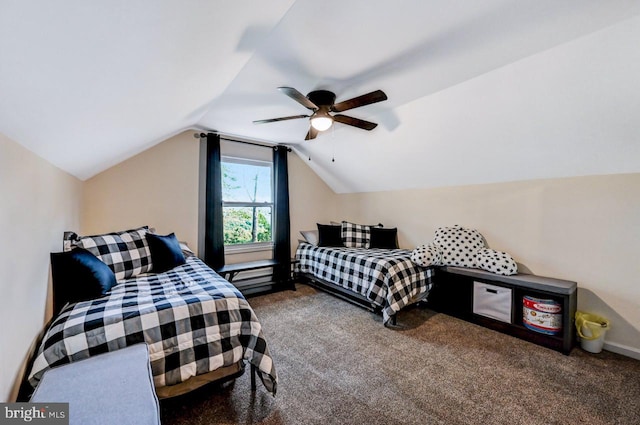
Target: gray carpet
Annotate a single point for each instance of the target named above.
(337, 364)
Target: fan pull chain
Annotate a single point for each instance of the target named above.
(333, 143)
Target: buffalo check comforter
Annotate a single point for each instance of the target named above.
(192, 319)
(385, 277)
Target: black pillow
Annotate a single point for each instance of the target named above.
(78, 275)
(383, 238)
(165, 252)
(329, 235)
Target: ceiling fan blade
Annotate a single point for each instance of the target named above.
(293, 117)
(311, 134)
(298, 97)
(356, 122)
(365, 99)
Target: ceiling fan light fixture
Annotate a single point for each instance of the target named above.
(321, 120)
(321, 123)
(321, 102)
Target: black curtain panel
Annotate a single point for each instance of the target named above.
(282, 231)
(214, 232)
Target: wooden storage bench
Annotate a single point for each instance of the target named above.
(453, 293)
(258, 284)
(229, 271)
(114, 388)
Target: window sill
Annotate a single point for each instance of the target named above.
(242, 249)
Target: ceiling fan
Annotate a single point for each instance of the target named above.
(321, 102)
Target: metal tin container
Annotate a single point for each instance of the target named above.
(544, 316)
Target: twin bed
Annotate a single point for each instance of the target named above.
(198, 327)
(363, 264)
(380, 279)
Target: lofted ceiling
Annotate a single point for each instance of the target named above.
(478, 92)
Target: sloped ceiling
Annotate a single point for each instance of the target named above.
(478, 91)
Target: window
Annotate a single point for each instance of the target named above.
(247, 202)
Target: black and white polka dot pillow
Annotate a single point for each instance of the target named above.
(459, 245)
(496, 262)
(426, 255)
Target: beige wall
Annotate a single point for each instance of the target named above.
(159, 188)
(39, 202)
(311, 201)
(585, 229)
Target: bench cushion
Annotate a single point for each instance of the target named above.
(523, 280)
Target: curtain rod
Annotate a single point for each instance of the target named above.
(202, 135)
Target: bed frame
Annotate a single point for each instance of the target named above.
(340, 292)
(219, 376)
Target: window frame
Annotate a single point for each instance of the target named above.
(250, 246)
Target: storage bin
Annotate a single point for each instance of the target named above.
(492, 301)
(542, 315)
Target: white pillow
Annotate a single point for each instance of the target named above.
(311, 236)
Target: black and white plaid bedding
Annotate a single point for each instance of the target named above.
(192, 319)
(386, 277)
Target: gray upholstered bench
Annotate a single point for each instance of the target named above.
(111, 388)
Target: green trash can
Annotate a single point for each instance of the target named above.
(591, 330)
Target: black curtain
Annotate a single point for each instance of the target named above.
(213, 232)
(281, 234)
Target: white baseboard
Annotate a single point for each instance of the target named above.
(625, 350)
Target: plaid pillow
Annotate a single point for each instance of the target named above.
(126, 253)
(356, 235)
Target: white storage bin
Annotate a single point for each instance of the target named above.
(492, 301)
